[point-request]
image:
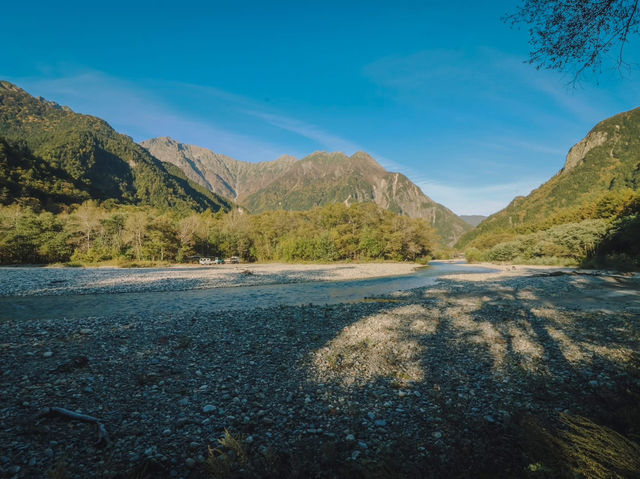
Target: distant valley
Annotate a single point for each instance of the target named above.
(473, 220)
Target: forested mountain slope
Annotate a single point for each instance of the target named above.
(52, 155)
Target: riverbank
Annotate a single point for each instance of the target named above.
(30, 281)
(514, 374)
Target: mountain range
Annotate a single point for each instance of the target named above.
(316, 180)
(51, 157)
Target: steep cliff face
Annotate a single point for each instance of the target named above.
(606, 161)
(579, 151)
(219, 173)
(315, 180)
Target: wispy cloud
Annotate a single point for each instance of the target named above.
(307, 130)
(142, 114)
(482, 76)
(328, 140)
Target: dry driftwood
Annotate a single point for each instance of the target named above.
(103, 435)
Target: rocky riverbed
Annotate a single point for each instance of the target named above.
(464, 378)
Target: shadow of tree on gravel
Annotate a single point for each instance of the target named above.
(496, 380)
(491, 374)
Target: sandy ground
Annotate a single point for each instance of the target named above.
(27, 281)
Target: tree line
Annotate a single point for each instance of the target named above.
(94, 232)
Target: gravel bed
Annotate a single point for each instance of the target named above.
(433, 381)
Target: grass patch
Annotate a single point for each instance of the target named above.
(582, 448)
(59, 471)
(230, 452)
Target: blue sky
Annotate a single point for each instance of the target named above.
(436, 90)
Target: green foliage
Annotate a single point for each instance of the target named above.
(28, 237)
(34, 181)
(474, 255)
(599, 232)
(504, 251)
(568, 243)
(93, 233)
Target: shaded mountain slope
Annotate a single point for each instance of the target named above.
(85, 152)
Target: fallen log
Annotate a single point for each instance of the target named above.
(103, 435)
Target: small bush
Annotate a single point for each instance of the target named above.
(504, 251)
(474, 255)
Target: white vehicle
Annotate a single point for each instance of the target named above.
(206, 261)
(234, 260)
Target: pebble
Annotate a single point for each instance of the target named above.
(380, 423)
(47, 354)
(190, 462)
(209, 408)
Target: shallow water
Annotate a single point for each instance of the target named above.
(209, 300)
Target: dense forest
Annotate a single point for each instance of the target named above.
(95, 232)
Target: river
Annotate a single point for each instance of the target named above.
(215, 299)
